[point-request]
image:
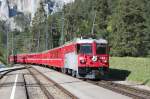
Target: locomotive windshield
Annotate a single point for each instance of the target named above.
(84, 48)
(101, 49)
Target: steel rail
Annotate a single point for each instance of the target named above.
(135, 93)
(10, 70)
(137, 90)
(43, 88)
(25, 85)
(58, 86)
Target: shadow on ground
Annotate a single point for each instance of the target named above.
(118, 74)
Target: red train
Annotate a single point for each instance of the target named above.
(83, 58)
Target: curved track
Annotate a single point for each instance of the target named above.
(5, 72)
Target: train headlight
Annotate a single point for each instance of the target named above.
(103, 58)
(82, 60)
(105, 61)
(94, 58)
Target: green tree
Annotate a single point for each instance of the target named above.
(39, 29)
(128, 28)
(147, 16)
(102, 14)
(3, 30)
(54, 25)
(81, 14)
(22, 20)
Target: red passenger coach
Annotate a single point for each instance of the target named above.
(83, 58)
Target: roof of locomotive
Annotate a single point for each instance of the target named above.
(90, 40)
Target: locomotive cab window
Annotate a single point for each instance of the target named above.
(84, 48)
(101, 48)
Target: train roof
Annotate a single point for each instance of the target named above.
(90, 40)
(76, 40)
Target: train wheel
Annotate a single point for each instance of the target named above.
(64, 70)
(73, 73)
(69, 71)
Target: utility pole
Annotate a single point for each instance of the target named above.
(46, 28)
(7, 45)
(62, 30)
(30, 42)
(51, 36)
(46, 38)
(38, 46)
(12, 43)
(6, 26)
(46, 41)
(93, 26)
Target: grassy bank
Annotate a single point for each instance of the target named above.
(133, 69)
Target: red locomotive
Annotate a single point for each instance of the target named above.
(83, 58)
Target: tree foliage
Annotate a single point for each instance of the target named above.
(124, 23)
(39, 29)
(129, 28)
(23, 21)
(3, 29)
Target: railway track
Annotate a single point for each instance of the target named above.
(135, 93)
(43, 88)
(51, 89)
(5, 72)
